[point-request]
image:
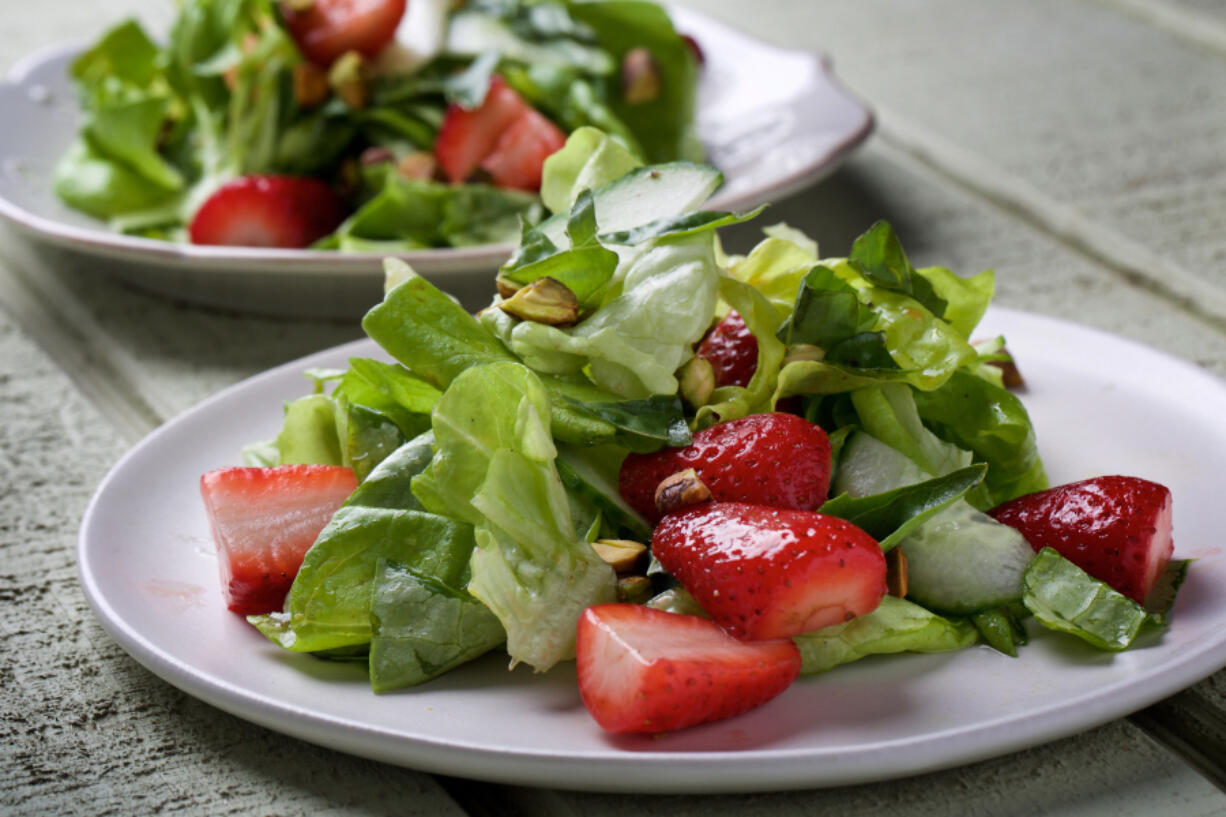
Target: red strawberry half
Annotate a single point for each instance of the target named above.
(771, 573)
(326, 29)
(776, 459)
(732, 351)
(467, 137)
(1116, 528)
(268, 211)
(645, 670)
(263, 521)
(519, 157)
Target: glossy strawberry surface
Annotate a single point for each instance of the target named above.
(1116, 528)
(647, 671)
(732, 351)
(286, 212)
(326, 29)
(263, 522)
(769, 572)
(773, 459)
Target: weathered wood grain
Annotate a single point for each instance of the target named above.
(84, 730)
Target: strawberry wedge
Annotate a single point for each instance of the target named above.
(770, 573)
(1116, 528)
(646, 671)
(263, 522)
(779, 460)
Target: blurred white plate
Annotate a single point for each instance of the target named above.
(774, 121)
(149, 571)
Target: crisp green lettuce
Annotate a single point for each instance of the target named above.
(494, 467)
(633, 344)
(895, 626)
(421, 628)
(1065, 598)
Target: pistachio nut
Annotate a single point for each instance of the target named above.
(545, 300)
(679, 490)
(640, 77)
(622, 554)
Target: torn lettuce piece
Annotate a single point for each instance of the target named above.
(421, 628)
(589, 159)
(328, 605)
(1065, 598)
(499, 406)
(993, 424)
(895, 626)
(777, 265)
(380, 406)
(530, 566)
(633, 344)
(494, 467)
(309, 436)
(890, 516)
(763, 320)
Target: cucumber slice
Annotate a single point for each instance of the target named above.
(963, 561)
(959, 561)
(642, 196)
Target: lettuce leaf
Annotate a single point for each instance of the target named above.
(494, 467)
(895, 626)
(421, 628)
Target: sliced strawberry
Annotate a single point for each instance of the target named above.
(771, 573)
(326, 29)
(645, 670)
(267, 211)
(775, 459)
(466, 137)
(263, 522)
(519, 156)
(1116, 528)
(732, 351)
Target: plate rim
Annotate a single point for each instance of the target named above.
(791, 768)
(98, 240)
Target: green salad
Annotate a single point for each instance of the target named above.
(487, 455)
(307, 123)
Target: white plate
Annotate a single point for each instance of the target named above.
(149, 571)
(774, 121)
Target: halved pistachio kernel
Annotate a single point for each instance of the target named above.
(506, 287)
(348, 76)
(419, 164)
(310, 85)
(640, 77)
(545, 300)
(680, 490)
(803, 351)
(634, 590)
(697, 379)
(896, 572)
(1010, 374)
(622, 554)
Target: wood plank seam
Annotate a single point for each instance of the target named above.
(1133, 262)
(1190, 728)
(1195, 27)
(70, 337)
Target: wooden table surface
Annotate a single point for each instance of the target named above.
(1076, 146)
